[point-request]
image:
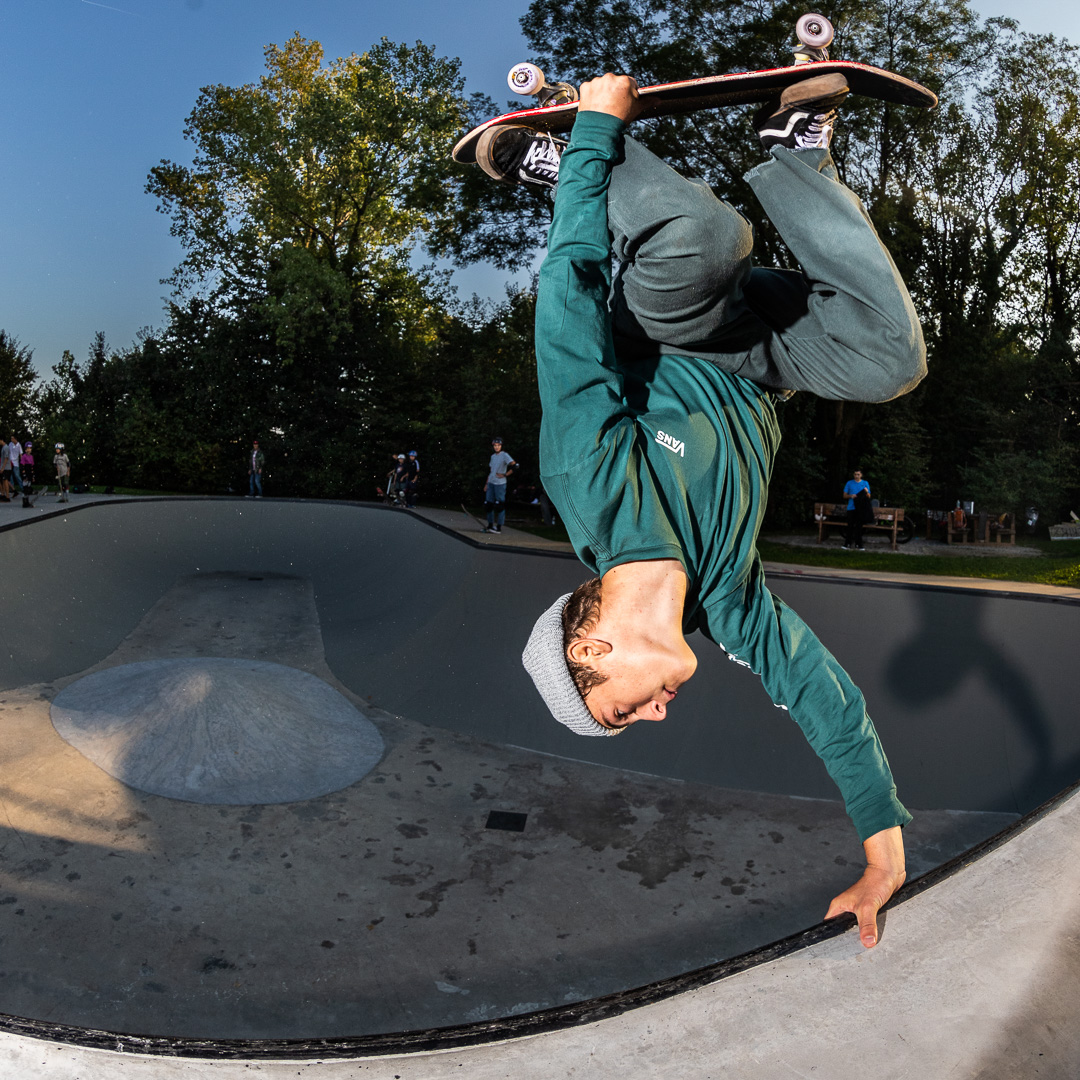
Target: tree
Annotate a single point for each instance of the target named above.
(55, 401)
(297, 296)
(312, 172)
(881, 150)
(17, 379)
(481, 381)
(298, 315)
(977, 202)
(999, 213)
(938, 42)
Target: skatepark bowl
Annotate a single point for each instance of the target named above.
(278, 795)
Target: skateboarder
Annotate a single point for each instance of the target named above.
(659, 428)
(62, 464)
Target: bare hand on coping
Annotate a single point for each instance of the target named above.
(884, 874)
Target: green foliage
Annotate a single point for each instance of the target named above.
(56, 401)
(483, 383)
(799, 464)
(17, 406)
(300, 317)
(975, 201)
(940, 43)
(298, 310)
(1011, 479)
(500, 223)
(978, 202)
(897, 459)
(345, 161)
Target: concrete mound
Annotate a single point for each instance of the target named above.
(225, 731)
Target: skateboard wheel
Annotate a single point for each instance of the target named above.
(814, 30)
(525, 79)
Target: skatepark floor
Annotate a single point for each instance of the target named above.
(397, 903)
(458, 880)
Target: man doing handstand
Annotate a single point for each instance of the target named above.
(659, 428)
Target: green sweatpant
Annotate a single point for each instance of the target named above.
(844, 328)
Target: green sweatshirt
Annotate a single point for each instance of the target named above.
(671, 458)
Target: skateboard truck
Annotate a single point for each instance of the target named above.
(815, 34)
(529, 81)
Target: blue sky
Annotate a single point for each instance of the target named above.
(95, 93)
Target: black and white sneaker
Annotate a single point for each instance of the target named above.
(520, 155)
(803, 118)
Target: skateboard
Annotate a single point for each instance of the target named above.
(558, 104)
(472, 517)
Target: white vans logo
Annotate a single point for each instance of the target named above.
(676, 446)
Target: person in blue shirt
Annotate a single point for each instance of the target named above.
(659, 429)
(855, 490)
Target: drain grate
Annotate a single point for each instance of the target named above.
(506, 820)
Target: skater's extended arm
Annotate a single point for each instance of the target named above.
(580, 384)
(801, 675)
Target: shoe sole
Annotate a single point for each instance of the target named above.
(816, 89)
(483, 151)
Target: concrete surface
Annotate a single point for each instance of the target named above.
(388, 906)
(237, 732)
(637, 871)
(976, 977)
(189, 707)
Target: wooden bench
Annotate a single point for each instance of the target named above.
(886, 519)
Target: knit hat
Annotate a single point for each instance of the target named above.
(545, 661)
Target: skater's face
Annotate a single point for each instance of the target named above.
(643, 678)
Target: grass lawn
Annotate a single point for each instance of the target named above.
(1058, 562)
(548, 532)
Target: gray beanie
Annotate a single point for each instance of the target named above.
(545, 661)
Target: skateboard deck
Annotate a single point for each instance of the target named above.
(716, 91)
(472, 517)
